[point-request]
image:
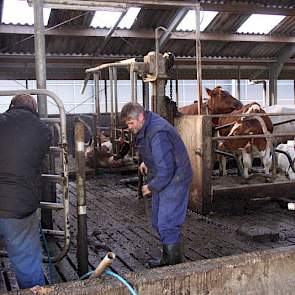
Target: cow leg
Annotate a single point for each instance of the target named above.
(266, 159)
(247, 163)
(222, 165)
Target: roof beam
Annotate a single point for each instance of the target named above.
(108, 36)
(144, 34)
(123, 4)
(175, 22)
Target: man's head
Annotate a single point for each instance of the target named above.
(133, 115)
(24, 100)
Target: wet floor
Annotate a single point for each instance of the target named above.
(119, 221)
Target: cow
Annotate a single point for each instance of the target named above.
(222, 102)
(105, 157)
(283, 162)
(192, 109)
(282, 128)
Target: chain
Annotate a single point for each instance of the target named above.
(171, 89)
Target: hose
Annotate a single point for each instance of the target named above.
(115, 275)
(102, 268)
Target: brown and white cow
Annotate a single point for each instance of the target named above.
(221, 102)
(105, 157)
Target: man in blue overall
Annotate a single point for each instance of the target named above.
(169, 174)
(23, 145)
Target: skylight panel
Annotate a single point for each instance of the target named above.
(260, 23)
(129, 18)
(19, 12)
(104, 18)
(189, 21)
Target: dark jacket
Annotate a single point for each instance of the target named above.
(164, 153)
(23, 145)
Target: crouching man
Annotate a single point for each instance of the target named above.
(24, 142)
(169, 175)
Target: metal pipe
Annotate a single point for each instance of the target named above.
(112, 103)
(198, 59)
(177, 89)
(118, 64)
(216, 138)
(229, 115)
(135, 85)
(106, 95)
(82, 245)
(91, 5)
(116, 108)
(106, 262)
(132, 83)
(40, 57)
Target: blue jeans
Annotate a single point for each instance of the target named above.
(22, 240)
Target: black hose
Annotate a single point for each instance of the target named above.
(288, 157)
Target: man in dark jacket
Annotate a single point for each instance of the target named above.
(169, 176)
(24, 143)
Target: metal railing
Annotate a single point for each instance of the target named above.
(63, 177)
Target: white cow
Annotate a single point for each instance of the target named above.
(283, 162)
(283, 128)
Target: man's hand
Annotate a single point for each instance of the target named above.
(145, 191)
(142, 169)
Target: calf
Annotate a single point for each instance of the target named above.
(283, 162)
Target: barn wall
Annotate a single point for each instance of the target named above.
(268, 272)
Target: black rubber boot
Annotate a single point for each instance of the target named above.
(172, 254)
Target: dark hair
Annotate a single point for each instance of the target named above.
(131, 111)
(24, 100)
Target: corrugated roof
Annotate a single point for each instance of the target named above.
(69, 34)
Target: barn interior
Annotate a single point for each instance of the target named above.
(228, 216)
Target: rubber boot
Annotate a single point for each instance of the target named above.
(172, 254)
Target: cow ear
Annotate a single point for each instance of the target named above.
(208, 91)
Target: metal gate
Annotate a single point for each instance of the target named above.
(63, 177)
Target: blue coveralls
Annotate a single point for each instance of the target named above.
(169, 175)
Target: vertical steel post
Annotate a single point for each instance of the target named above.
(95, 122)
(145, 95)
(40, 59)
(239, 84)
(82, 245)
(48, 190)
(198, 59)
(106, 95)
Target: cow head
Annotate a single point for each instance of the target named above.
(221, 102)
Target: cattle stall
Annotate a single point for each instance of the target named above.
(228, 194)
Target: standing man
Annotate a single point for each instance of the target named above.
(169, 174)
(24, 142)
